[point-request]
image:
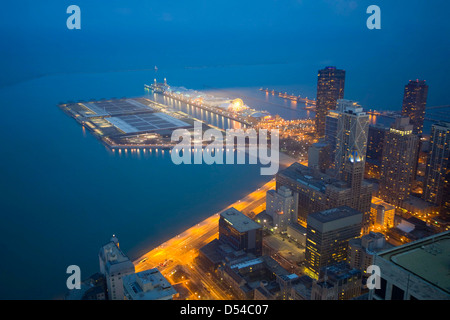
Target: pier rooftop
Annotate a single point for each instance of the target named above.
(129, 122)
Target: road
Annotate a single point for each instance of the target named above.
(183, 248)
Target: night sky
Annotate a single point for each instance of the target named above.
(130, 35)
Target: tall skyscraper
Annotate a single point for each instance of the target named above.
(351, 142)
(438, 163)
(398, 163)
(328, 233)
(330, 88)
(414, 103)
(375, 143)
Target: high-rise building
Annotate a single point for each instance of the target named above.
(282, 206)
(375, 142)
(114, 265)
(438, 163)
(445, 206)
(318, 191)
(240, 232)
(330, 88)
(328, 233)
(319, 156)
(351, 144)
(415, 271)
(331, 129)
(414, 103)
(398, 163)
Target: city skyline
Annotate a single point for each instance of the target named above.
(156, 124)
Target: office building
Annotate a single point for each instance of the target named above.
(240, 232)
(318, 191)
(415, 271)
(375, 143)
(361, 251)
(414, 103)
(328, 233)
(337, 282)
(282, 206)
(438, 163)
(382, 214)
(399, 161)
(351, 143)
(331, 129)
(114, 265)
(147, 285)
(330, 88)
(319, 156)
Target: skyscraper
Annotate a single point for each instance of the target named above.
(330, 88)
(375, 142)
(282, 206)
(398, 163)
(414, 103)
(114, 265)
(328, 233)
(438, 163)
(351, 148)
(351, 142)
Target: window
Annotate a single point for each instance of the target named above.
(381, 293)
(397, 293)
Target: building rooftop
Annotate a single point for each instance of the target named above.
(111, 254)
(334, 214)
(427, 258)
(313, 179)
(239, 221)
(148, 285)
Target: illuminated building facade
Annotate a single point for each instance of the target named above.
(240, 232)
(330, 88)
(414, 103)
(331, 129)
(438, 163)
(382, 213)
(318, 191)
(328, 233)
(398, 163)
(282, 206)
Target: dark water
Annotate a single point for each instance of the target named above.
(63, 194)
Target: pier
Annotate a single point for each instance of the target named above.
(163, 89)
(285, 95)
